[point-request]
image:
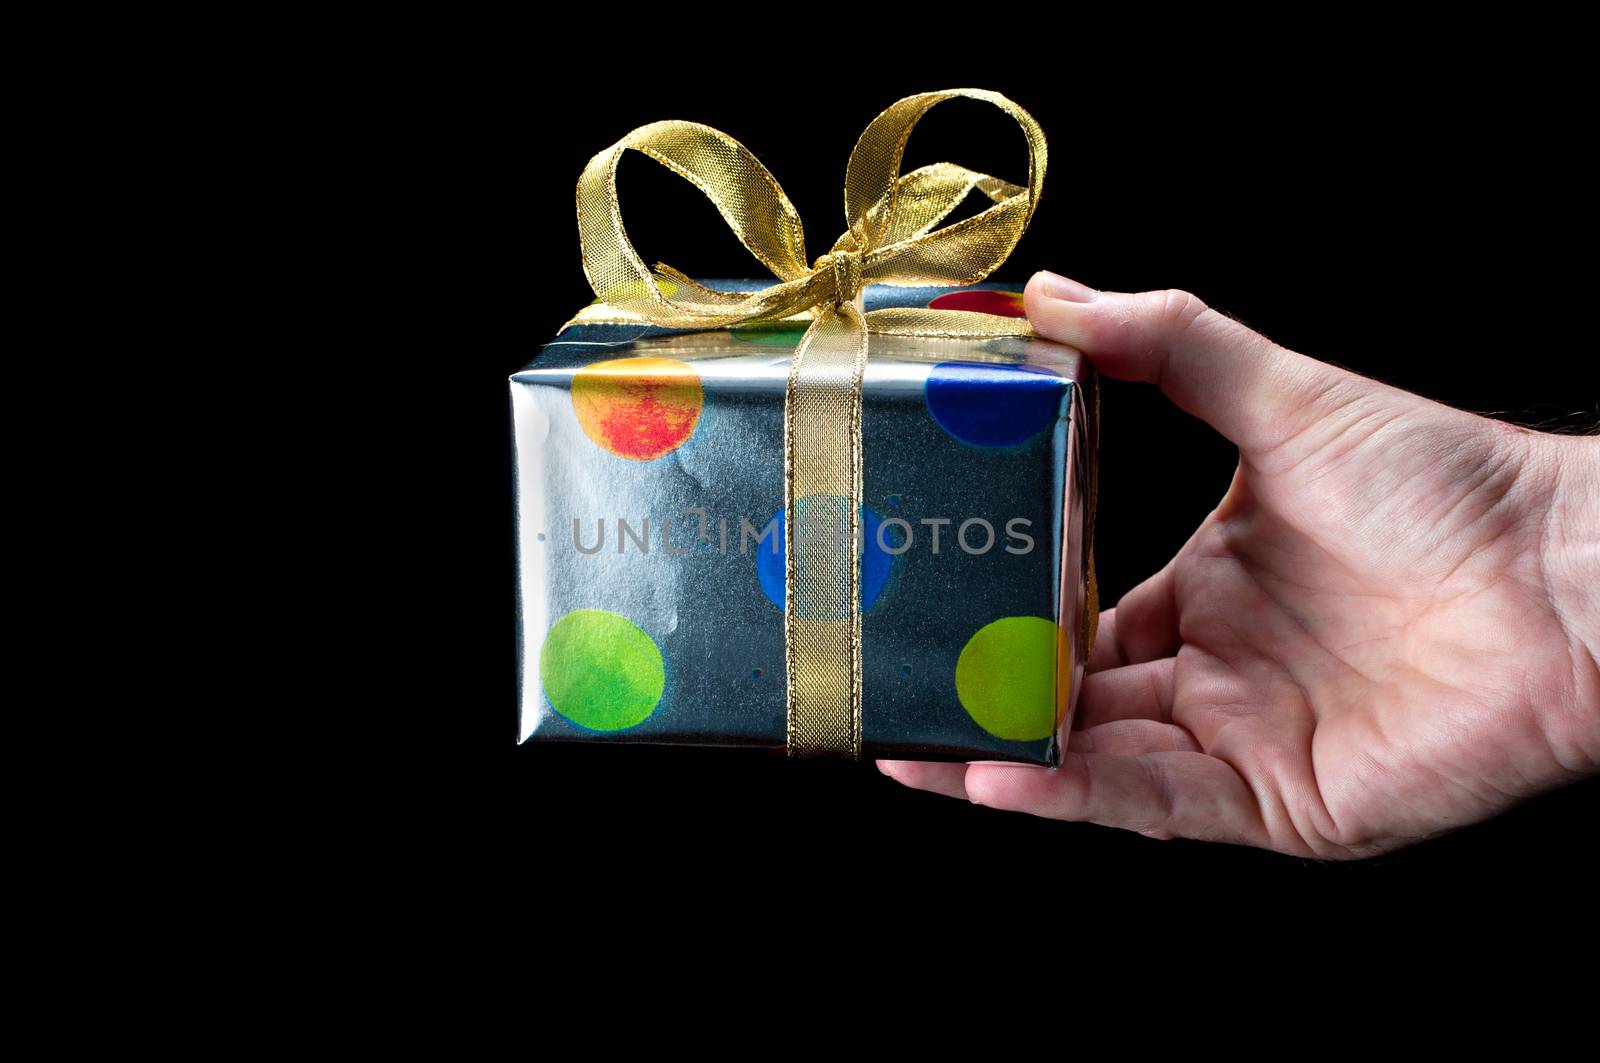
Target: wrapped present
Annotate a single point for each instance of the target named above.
(848, 513)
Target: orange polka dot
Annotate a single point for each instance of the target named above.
(638, 408)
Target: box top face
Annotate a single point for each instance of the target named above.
(756, 354)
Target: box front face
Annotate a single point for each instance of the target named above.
(650, 510)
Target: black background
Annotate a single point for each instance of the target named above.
(1404, 209)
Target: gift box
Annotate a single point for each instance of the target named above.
(847, 512)
(652, 535)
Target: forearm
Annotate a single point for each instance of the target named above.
(1572, 575)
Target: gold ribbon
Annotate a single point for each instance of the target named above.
(891, 239)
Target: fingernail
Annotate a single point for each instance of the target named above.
(1064, 288)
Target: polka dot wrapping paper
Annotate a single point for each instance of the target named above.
(651, 535)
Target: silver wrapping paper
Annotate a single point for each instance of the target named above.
(649, 524)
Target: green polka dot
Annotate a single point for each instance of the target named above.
(771, 333)
(1006, 678)
(601, 671)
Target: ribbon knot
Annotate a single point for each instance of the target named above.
(893, 238)
(846, 267)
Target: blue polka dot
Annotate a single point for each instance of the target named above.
(876, 562)
(993, 405)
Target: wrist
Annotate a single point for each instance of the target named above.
(1571, 565)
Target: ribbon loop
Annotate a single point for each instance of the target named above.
(876, 197)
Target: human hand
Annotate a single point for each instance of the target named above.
(1388, 627)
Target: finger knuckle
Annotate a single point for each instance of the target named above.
(1179, 310)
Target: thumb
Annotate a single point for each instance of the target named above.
(1238, 381)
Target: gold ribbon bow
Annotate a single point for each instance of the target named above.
(891, 239)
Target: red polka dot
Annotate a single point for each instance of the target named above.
(1003, 304)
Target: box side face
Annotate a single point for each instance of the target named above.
(643, 617)
(1080, 468)
(649, 539)
(960, 647)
